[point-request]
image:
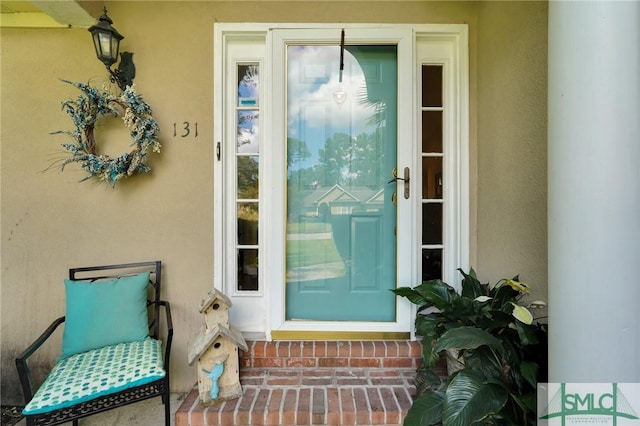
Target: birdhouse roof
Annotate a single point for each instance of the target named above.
(212, 296)
(204, 340)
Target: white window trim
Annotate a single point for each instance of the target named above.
(454, 57)
(270, 316)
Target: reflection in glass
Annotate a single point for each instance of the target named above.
(247, 169)
(248, 269)
(340, 243)
(247, 142)
(247, 223)
(248, 135)
(432, 178)
(248, 85)
(432, 223)
(432, 131)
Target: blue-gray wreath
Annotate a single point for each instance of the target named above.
(87, 109)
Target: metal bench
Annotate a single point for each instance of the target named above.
(123, 388)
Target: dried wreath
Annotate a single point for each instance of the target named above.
(85, 112)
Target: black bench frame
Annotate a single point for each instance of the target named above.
(128, 396)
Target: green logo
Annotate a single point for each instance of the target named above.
(587, 403)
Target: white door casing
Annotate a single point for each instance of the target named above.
(258, 313)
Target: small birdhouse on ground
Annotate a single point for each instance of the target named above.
(215, 347)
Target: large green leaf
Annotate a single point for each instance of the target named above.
(527, 333)
(528, 402)
(437, 293)
(471, 274)
(428, 324)
(469, 399)
(503, 295)
(529, 371)
(467, 338)
(471, 287)
(520, 409)
(429, 356)
(426, 380)
(426, 410)
(411, 294)
(500, 319)
(484, 360)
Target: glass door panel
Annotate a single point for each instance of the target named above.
(341, 205)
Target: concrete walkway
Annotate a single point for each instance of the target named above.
(145, 413)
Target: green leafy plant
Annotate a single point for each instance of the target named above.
(500, 347)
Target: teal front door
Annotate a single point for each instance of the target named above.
(342, 112)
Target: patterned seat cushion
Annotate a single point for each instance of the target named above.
(104, 371)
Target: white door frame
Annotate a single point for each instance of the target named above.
(417, 44)
(280, 38)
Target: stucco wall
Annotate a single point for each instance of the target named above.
(511, 146)
(50, 222)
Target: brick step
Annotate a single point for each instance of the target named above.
(315, 383)
(338, 354)
(370, 402)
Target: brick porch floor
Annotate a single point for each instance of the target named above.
(316, 383)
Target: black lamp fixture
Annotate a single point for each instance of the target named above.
(106, 41)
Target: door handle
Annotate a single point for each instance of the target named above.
(405, 179)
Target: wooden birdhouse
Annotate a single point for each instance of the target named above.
(215, 309)
(215, 347)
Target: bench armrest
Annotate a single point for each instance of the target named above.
(21, 361)
(167, 349)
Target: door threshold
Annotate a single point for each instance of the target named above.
(338, 335)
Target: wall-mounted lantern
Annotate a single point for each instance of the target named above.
(106, 41)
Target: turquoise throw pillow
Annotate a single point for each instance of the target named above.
(103, 313)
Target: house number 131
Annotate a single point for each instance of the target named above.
(185, 129)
